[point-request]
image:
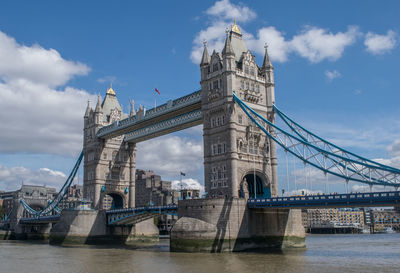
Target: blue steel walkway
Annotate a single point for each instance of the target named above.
(370, 199)
(130, 216)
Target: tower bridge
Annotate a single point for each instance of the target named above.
(242, 210)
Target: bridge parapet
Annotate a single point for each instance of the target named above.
(170, 106)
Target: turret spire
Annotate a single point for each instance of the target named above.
(205, 59)
(110, 91)
(98, 106)
(267, 62)
(228, 50)
(87, 112)
(235, 27)
(132, 104)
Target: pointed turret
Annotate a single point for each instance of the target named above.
(132, 104)
(87, 112)
(267, 62)
(205, 59)
(228, 50)
(98, 106)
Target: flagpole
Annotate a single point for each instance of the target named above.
(181, 188)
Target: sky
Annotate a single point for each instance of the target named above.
(336, 73)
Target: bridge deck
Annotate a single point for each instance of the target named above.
(371, 199)
(133, 215)
(40, 220)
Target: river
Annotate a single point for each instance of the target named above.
(324, 253)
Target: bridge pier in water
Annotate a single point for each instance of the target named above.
(90, 227)
(219, 225)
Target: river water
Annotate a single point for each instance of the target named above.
(324, 253)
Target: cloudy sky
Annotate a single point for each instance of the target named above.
(336, 72)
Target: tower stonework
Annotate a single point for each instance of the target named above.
(238, 157)
(239, 161)
(109, 165)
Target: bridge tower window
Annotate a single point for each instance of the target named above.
(215, 67)
(215, 84)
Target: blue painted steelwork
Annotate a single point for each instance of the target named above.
(370, 199)
(185, 120)
(6, 217)
(123, 126)
(53, 204)
(292, 124)
(347, 166)
(40, 219)
(130, 215)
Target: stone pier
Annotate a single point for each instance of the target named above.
(219, 225)
(89, 227)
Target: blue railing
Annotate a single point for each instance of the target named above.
(370, 199)
(40, 219)
(122, 216)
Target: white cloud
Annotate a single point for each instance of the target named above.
(188, 183)
(169, 155)
(228, 11)
(107, 79)
(278, 47)
(317, 44)
(380, 44)
(313, 43)
(215, 37)
(394, 148)
(332, 74)
(12, 178)
(35, 64)
(35, 117)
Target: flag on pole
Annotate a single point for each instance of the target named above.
(157, 91)
(183, 174)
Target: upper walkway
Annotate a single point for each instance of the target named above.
(175, 115)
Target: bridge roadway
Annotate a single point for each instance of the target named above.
(130, 216)
(172, 116)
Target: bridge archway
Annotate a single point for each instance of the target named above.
(261, 186)
(113, 201)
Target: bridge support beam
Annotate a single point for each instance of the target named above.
(219, 225)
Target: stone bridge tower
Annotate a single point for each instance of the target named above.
(238, 157)
(109, 165)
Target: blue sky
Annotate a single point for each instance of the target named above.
(336, 72)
